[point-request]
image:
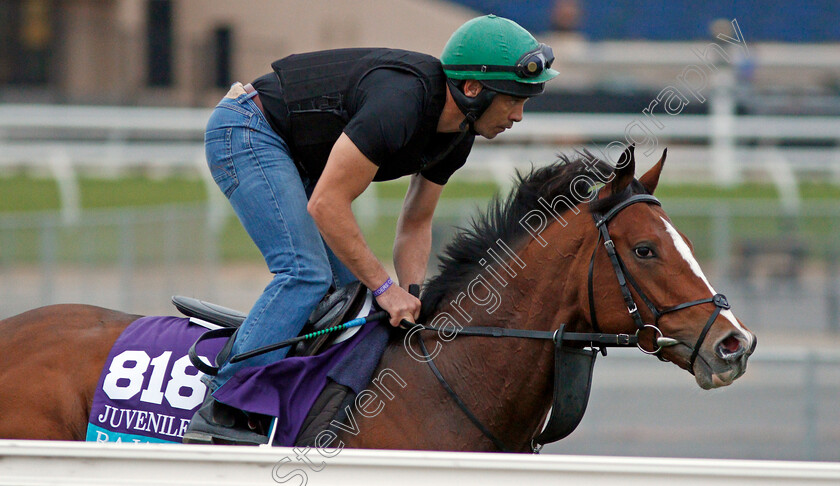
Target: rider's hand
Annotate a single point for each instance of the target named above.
(399, 304)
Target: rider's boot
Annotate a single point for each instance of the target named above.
(217, 423)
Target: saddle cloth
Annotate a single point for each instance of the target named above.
(148, 390)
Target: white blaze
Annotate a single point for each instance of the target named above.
(685, 251)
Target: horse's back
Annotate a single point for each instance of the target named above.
(50, 362)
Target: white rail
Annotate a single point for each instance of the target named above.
(124, 123)
(66, 139)
(52, 463)
(116, 138)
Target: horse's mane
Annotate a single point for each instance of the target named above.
(460, 259)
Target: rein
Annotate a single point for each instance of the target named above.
(560, 422)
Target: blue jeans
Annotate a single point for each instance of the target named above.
(252, 166)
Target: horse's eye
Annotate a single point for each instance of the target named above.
(644, 252)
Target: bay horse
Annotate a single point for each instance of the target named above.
(555, 252)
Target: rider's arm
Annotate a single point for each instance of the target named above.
(347, 174)
(414, 230)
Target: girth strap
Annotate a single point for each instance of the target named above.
(484, 430)
(572, 375)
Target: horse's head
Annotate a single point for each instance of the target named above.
(576, 280)
(663, 280)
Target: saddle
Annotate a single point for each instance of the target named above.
(336, 307)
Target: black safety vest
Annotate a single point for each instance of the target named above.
(318, 88)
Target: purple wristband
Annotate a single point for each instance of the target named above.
(382, 288)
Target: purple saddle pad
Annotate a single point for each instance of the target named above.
(148, 390)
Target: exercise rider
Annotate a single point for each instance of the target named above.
(292, 150)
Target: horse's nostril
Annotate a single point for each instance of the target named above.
(730, 348)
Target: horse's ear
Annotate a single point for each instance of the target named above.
(625, 170)
(651, 177)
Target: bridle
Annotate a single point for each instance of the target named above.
(558, 424)
(623, 276)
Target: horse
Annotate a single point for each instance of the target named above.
(573, 247)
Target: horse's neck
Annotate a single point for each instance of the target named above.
(507, 381)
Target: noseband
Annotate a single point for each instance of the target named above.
(623, 276)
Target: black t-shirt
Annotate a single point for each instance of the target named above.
(383, 118)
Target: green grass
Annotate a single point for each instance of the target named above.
(808, 191)
(137, 191)
(235, 243)
(453, 190)
(22, 193)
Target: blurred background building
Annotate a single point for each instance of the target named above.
(186, 52)
(105, 198)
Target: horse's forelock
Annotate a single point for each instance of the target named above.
(607, 203)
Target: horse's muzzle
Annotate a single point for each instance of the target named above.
(728, 363)
(732, 347)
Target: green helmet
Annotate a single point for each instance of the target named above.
(500, 54)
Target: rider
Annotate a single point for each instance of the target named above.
(294, 150)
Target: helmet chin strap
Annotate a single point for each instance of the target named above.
(471, 106)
